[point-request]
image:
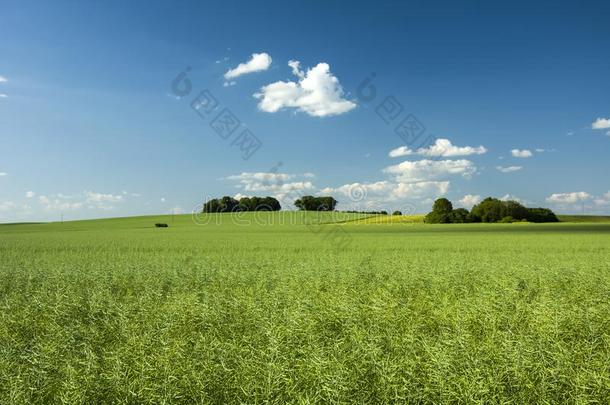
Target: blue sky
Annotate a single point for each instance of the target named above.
(90, 125)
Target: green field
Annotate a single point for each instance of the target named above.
(298, 309)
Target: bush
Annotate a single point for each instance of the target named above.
(397, 213)
(507, 220)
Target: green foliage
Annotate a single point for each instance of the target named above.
(115, 311)
(541, 215)
(442, 206)
(459, 216)
(489, 210)
(397, 213)
(310, 203)
(230, 204)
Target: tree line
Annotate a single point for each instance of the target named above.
(230, 204)
(489, 210)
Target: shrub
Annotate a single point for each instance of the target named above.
(507, 220)
(161, 225)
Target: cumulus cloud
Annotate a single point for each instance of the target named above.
(258, 62)
(509, 169)
(440, 148)
(317, 93)
(569, 198)
(3, 79)
(379, 195)
(601, 123)
(521, 153)
(283, 186)
(30, 194)
(425, 170)
(469, 200)
(444, 148)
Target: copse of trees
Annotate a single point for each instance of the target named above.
(310, 203)
(230, 204)
(489, 210)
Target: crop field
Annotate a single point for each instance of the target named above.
(301, 310)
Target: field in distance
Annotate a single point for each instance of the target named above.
(304, 307)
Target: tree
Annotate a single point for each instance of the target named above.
(441, 212)
(397, 213)
(442, 205)
(489, 210)
(541, 215)
(310, 203)
(230, 204)
(459, 216)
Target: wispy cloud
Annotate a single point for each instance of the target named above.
(3, 79)
(509, 169)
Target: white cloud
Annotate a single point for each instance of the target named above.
(258, 62)
(444, 148)
(521, 153)
(3, 174)
(274, 184)
(162, 199)
(608, 133)
(317, 93)
(601, 123)
(509, 169)
(2, 95)
(87, 199)
(3, 79)
(569, 198)
(400, 151)
(59, 203)
(469, 200)
(378, 195)
(30, 194)
(441, 148)
(425, 170)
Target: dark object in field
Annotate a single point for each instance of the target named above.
(161, 225)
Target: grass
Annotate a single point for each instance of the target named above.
(117, 311)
